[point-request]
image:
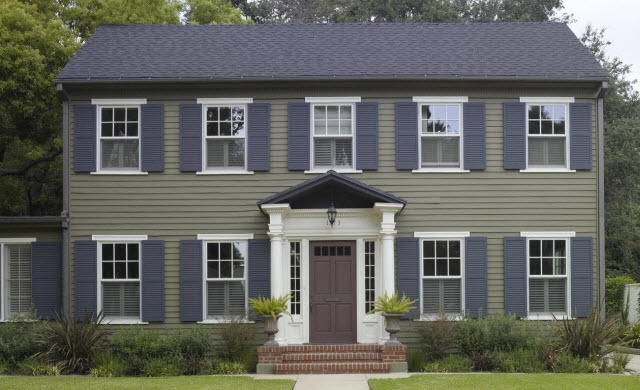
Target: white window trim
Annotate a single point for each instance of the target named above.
(444, 236)
(551, 236)
(213, 102)
(549, 100)
(207, 238)
(440, 99)
(339, 101)
(120, 239)
(100, 103)
(3, 270)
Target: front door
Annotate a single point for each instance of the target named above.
(332, 295)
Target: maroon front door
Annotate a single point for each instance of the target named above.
(332, 292)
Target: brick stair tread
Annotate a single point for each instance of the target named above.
(332, 348)
(317, 357)
(332, 368)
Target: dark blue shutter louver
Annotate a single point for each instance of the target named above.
(259, 272)
(258, 137)
(298, 115)
(191, 275)
(407, 136)
(45, 278)
(367, 136)
(580, 135)
(152, 280)
(84, 138)
(475, 282)
(152, 137)
(190, 137)
(515, 276)
(85, 278)
(408, 249)
(515, 135)
(581, 276)
(474, 135)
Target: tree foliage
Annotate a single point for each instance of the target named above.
(213, 12)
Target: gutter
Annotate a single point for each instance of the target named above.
(601, 235)
(66, 289)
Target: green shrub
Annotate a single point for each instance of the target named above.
(237, 340)
(614, 293)
(415, 359)
(521, 360)
(19, 339)
(632, 335)
(567, 363)
(449, 363)
(108, 366)
(5, 367)
(617, 363)
(136, 346)
(73, 345)
(160, 367)
(224, 367)
(437, 338)
(192, 346)
(35, 366)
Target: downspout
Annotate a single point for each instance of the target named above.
(601, 248)
(66, 291)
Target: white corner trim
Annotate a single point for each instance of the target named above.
(222, 172)
(331, 100)
(547, 170)
(440, 170)
(21, 240)
(119, 237)
(225, 237)
(547, 234)
(224, 101)
(440, 99)
(120, 173)
(118, 102)
(547, 99)
(441, 234)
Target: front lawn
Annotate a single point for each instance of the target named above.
(508, 381)
(178, 382)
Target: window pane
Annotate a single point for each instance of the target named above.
(429, 249)
(556, 151)
(107, 270)
(239, 250)
(536, 152)
(453, 112)
(238, 114)
(557, 295)
(558, 127)
(132, 129)
(225, 114)
(119, 154)
(119, 129)
(453, 127)
(534, 248)
(534, 127)
(454, 267)
(225, 299)
(133, 270)
(560, 248)
(107, 251)
(119, 114)
(121, 299)
(561, 267)
(441, 267)
(439, 126)
(547, 266)
(213, 269)
(212, 129)
(534, 112)
(546, 127)
(440, 152)
(454, 248)
(441, 249)
(225, 251)
(121, 269)
(237, 129)
(429, 267)
(345, 112)
(332, 112)
(536, 295)
(225, 153)
(547, 152)
(427, 127)
(438, 112)
(535, 266)
(345, 126)
(133, 252)
(19, 279)
(212, 251)
(132, 114)
(107, 130)
(212, 113)
(333, 152)
(238, 269)
(121, 252)
(225, 128)
(107, 114)
(441, 295)
(559, 112)
(333, 127)
(547, 112)
(320, 126)
(547, 248)
(225, 269)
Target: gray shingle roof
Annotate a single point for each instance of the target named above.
(524, 51)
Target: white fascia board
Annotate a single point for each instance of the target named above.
(224, 101)
(547, 99)
(547, 234)
(118, 102)
(21, 240)
(119, 237)
(440, 99)
(330, 100)
(441, 234)
(225, 237)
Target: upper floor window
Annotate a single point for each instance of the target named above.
(119, 284)
(547, 135)
(225, 278)
(15, 278)
(119, 140)
(333, 128)
(225, 137)
(440, 144)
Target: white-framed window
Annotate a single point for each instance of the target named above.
(118, 135)
(548, 274)
(547, 125)
(119, 271)
(369, 275)
(295, 304)
(15, 277)
(442, 274)
(225, 278)
(333, 123)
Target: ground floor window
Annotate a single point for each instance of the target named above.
(547, 260)
(442, 276)
(15, 282)
(225, 279)
(120, 280)
(294, 278)
(369, 275)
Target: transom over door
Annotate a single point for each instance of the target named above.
(332, 294)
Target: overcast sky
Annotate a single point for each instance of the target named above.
(620, 17)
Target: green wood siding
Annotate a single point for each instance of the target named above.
(494, 203)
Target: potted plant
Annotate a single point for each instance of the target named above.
(392, 308)
(270, 310)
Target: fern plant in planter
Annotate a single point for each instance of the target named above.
(392, 309)
(270, 310)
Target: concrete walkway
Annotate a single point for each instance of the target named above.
(633, 368)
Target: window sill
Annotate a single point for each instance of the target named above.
(547, 317)
(222, 321)
(436, 317)
(440, 170)
(339, 170)
(228, 172)
(107, 321)
(546, 170)
(131, 173)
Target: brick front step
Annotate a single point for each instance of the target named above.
(318, 357)
(332, 368)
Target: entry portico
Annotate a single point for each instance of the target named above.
(334, 272)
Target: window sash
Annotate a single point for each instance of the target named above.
(543, 148)
(219, 153)
(442, 294)
(369, 275)
(333, 152)
(433, 150)
(295, 278)
(125, 159)
(121, 299)
(548, 295)
(17, 279)
(225, 298)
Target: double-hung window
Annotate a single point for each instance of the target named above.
(15, 281)
(119, 137)
(225, 137)
(332, 133)
(442, 275)
(225, 279)
(440, 144)
(119, 269)
(548, 267)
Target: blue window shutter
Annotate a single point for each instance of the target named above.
(45, 278)
(515, 135)
(580, 135)
(515, 276)
(152, 137)
(407, 136)
(474, 135)
(299, 117)
(367, 136)
(475, 276)
(85, 277)
(258, 136)
(259, 272)
(190, 137)
(581, 276)
(84, 138)
(152, 281)
(191, 275)
(409, 268)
